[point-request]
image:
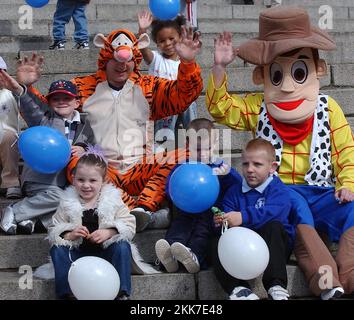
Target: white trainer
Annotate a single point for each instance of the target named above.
(278, 293)
(185, 256)
(242, 293)
(164, 254)
(331, 294)
(8, 223)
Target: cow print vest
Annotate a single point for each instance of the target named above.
(320, 172)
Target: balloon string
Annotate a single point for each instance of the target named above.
(70, 256)
(225, 226)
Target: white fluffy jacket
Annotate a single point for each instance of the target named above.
(112, 213)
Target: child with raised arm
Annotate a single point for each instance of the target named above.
(42, 190)
(260, 203)
(164, 63)
(91, 220)
(186, 241)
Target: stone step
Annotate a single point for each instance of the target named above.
(164, 286)
(307, 3)
(70, 62)
(15, 27)
(126, 12)
(240, 79)
(33, 250)
(34, 42)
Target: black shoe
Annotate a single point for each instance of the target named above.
(25, 227)
(82, 45)
(57, 45)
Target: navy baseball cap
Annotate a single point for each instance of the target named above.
(62, 86)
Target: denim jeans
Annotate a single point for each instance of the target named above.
(118, 253)
(64, 11)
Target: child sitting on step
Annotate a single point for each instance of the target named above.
(91, 220)
(43, 190)
(261, 203)
(187, 239)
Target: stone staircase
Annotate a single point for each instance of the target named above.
(214, 17)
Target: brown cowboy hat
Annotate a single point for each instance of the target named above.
(282, 29)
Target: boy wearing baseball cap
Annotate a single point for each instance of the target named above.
(43, 190)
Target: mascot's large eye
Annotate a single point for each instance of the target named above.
(276, 74)
(299, 71)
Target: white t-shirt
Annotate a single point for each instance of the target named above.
(162, 67)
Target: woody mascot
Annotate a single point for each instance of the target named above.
(313, 140)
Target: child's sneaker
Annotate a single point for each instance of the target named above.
(13, 193)
(164, 254)
(82, 45)
(278, 293)
(57, 45)
(185, 256)
(7, 222)
(242, 293)
(26, 226)
(142, 217)
(331, 294)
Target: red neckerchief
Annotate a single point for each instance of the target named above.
(292, 133)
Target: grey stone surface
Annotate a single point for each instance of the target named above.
(210, 289)
(19, 250)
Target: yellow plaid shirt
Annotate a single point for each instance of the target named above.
(241, 113)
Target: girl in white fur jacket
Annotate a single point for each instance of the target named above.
(93, 220)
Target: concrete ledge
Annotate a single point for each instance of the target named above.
(210, 289)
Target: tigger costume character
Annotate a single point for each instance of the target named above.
(120, 120)
(313, 140)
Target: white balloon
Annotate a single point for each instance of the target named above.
(93, 278)
(243, 253)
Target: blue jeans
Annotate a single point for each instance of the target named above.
(118, 253)
(63, 13)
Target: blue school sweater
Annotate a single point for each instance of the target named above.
(261, 205)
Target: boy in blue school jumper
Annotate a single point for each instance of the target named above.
(188, 237)
(260, 203)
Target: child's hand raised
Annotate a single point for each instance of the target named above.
(144, 19)
(77, 233)
(29, 70)
(189, 45)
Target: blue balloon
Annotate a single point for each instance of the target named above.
(37, 3)
(193, 187)
(44, 149)
(164, 9)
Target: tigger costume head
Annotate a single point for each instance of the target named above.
(120, 44)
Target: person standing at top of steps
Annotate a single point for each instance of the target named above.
(121, 105)
(313, 141)
(42, 190)
(9, 127)
(65, 10)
